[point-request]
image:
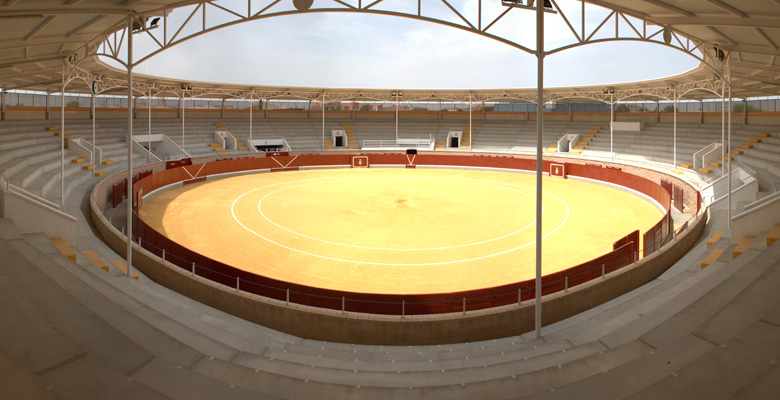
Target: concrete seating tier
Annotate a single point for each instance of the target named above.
(717, 325)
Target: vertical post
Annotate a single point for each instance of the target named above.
(723, 126)
(2, 105)
(566, 283)
(464, 306)
(701, 112)
(94, 116)
(674, 139)
(129, 256)
(728, 225)
(611, 127)
(238, 282)
(149, 138)
(193, 268)
(539, 137)
(62, 137)
(519, 296)
(397, 104)
(288, 296)
(323, 121)
(182, 119)
(403, 308)
(471, 127)
(343, 304)
(163, 254)
(603, 270)
(251, 106)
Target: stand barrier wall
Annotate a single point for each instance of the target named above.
(626, 250)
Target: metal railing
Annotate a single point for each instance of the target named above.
(346, 303)
(7, 186)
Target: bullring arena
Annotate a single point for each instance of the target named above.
(164, 238)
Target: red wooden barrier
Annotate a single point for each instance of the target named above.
(622, 255)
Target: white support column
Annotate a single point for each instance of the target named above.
(471, 128)
(674, 139)
(62, 139)
(397, 104)
(729, 147)
(323, 122)
(94, 116)
(251, 107)
(129, 230)
(182, 120)
(149, 137)
(539, 137)
(611, 126)
(723, 127)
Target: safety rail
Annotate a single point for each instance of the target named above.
(417, 143)
(7, 186)
(622, 256)
(526, 290)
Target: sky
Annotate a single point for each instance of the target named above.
(351, 50)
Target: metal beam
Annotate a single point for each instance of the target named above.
(727, 7)
(669, 7)
(766, 38)
(765, 67)
(40, 27)
(85, 25)
(12, 63)
(761, 22)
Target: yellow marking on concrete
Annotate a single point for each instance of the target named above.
(64, 248)
(712, 257)
(705, 170)
(107, 162)
(714, 239)
(764, 135)
(123, 267)
(746, 146)
(95, 259)
(88, 167)
(738, 152)
(100, 173)
(716, 164)
(743, 246)
(773, 236)
(78, 160)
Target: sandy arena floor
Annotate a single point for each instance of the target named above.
(396, 230)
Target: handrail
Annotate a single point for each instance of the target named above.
(9, 187)
(761, 202)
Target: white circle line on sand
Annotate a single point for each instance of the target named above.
(232, 211)
(259, 209)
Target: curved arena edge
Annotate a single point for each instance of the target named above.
(322, 314)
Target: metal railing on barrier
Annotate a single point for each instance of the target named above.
(403, 306)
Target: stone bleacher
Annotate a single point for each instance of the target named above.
(73, 330)
(136, 339)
